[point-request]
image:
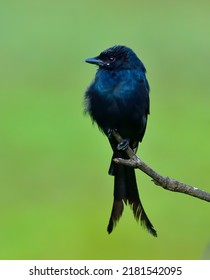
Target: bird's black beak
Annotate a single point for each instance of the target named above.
(95, 60)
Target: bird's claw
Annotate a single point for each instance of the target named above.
(109, 132)
(123, 145)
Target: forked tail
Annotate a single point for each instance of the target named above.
(126, 191)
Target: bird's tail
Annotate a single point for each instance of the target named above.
(126, 191)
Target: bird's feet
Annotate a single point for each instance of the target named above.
(109, 132)
(123, 145)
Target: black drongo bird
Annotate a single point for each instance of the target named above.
(118, 99)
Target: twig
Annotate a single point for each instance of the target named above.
(164, 182)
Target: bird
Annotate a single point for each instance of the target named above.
(118, 99)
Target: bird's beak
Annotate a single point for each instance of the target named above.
(95, 60)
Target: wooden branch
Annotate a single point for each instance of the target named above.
(164, 182)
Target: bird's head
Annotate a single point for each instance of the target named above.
(117, 57)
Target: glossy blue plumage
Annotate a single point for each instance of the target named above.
(118, 98)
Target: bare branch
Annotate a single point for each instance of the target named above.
(164, 182)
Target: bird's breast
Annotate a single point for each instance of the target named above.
(115, 84)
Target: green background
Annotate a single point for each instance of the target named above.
(55, 194)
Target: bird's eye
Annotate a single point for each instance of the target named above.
(111, 59)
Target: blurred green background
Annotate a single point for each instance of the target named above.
(55, 194)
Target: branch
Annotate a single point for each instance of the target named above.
(164, 182)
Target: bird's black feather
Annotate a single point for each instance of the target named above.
(118, 98)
